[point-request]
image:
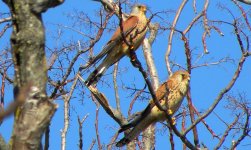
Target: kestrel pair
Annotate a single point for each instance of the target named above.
(134, 31)
(173, 92)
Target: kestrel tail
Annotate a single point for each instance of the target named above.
(172, 91)
(134, 31)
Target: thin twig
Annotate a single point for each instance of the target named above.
(171, 138)
(92, 144)
(96, 126)
(7, 26)
(229, 128)
(80, 123)
(246, 129)
(243, 14)
(183, 125)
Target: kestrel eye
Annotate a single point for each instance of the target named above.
(183, 76)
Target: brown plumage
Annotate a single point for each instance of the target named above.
(173, 91)
(134, 29)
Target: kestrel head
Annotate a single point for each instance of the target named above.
(181, 78)
(138, 9)
(181, 75)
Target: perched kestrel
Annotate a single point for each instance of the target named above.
(134, 31)
(173, 91)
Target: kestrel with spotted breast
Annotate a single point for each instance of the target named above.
(134, 31)
(173, 92)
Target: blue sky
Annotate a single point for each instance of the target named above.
(206, 82)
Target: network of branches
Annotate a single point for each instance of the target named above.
(119, 91)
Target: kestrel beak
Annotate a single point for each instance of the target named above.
(144, 9)
(187, 77)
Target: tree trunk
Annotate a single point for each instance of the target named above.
(28, 52)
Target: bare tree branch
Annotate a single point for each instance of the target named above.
(115, 72)
(116, 115)
(80, 123)
(170, 38)
(110, 6)
(246, 1)
(5, 20)
(66, 113)
(229, 128)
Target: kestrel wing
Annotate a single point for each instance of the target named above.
(171, 84)
(108, 47)
(163, 90)
(127, 25)
(160, 94)
(137, 119)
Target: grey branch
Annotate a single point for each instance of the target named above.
(5, 19)
(245, 1)
(110, 6)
